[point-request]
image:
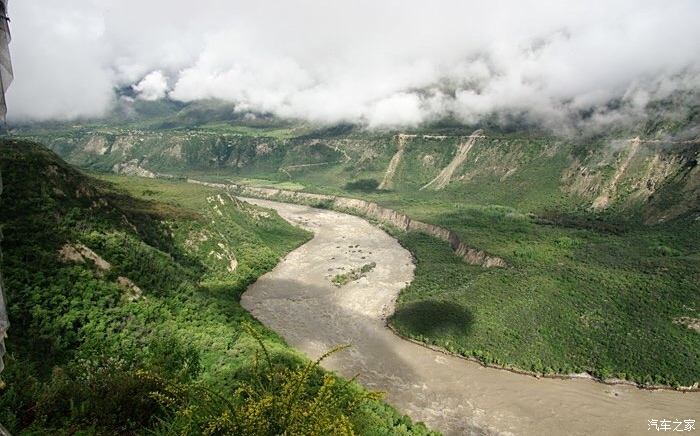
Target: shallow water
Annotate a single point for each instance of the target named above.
(298, 300)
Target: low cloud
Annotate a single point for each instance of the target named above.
(152, 87)
(392, 63)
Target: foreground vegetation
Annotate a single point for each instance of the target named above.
(125, 314)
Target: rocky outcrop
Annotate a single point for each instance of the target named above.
(131, 291)
(370, 210)
(602, 201)
(133, 168)
(79, 253)
(96, 144)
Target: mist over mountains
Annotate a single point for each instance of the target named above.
(567, 65)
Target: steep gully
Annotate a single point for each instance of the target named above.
(445, 176)
(388, 181)
(298, 300)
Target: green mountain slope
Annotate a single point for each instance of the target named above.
(125, 313)
(654, 174)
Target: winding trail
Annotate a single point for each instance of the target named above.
(455, 396)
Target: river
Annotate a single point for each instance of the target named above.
(298, 300)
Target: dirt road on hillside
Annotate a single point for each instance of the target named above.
(298, 300)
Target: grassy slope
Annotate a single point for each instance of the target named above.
(573, 300)
(77, 342)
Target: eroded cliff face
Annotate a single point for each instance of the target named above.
(445, 177)
(133, 168)
(661, 176)
(370, 210)
(388, 180)
(97, 144)
(199, 150)
(656, 177)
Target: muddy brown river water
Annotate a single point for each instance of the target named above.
(298, 300)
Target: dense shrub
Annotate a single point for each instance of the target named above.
(276, 400)
(364, 185)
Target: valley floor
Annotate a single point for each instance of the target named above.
(605, 295)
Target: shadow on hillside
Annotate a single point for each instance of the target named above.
(429, 317)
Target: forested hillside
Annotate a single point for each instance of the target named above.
(125, 314)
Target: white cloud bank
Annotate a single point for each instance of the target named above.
(380, 63)
(153, 87)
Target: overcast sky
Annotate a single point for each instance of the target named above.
(371, 61)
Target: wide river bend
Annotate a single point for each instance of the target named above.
(298, 300)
